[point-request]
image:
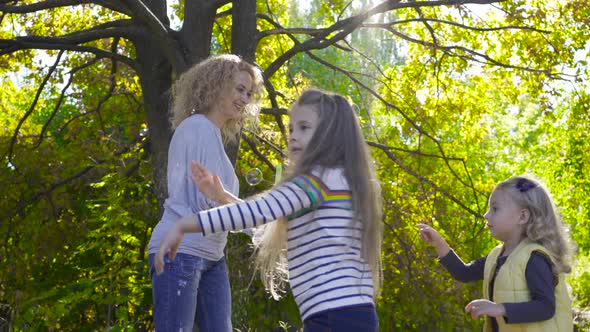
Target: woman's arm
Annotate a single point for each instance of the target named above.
(210, 185)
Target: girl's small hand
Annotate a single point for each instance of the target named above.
(432, 237)
(429, 235)
(208, 184)
(168, 246)
(479, 308)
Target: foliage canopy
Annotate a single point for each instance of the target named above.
(453, 95)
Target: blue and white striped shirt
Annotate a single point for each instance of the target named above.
(326, 270)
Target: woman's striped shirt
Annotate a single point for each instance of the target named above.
(326, 270)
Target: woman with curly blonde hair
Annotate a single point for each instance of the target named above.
(210, 103)
(524, 283)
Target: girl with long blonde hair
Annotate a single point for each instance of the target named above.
(327, 239)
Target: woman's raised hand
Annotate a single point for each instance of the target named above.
(208, 184)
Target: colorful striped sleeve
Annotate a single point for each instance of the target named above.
(313, 187)
(301, 193)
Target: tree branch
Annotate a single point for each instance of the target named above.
(118, 28)
(23, 203)
(162, 33)
(60, 100)
(267, 142)
(8, 46)
(459, 25)
(274, 111)
(280, 30)
(257, 152)
(31, 108)
(412, 152)
(50, 4)
(473, 55)
(346, 26)
(272, 94)
(405, 116)
(423, 179)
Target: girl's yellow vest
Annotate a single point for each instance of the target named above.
(510, 286)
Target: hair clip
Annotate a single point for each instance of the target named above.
(524, 185)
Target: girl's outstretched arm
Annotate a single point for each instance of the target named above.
(447, 257)
(172, 240)
(301, 193)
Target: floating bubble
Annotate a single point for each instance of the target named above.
(253, 176)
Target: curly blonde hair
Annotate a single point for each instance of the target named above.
(200, 87)
(545, 226)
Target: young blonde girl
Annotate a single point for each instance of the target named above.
(523, 278)
(328, 208)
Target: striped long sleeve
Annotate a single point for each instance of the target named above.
(290, 198)
(326, 268)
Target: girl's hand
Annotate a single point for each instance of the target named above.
(208, 184)
(432, 237)
(168, 246)
(172, 240)
(479, 308)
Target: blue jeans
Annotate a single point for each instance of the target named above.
(191, 289)
(357, 318)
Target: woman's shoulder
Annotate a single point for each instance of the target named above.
(197, 124)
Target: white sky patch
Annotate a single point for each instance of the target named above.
(175, 22)
(304, 6)
(481, 11)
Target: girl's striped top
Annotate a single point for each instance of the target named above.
(326, 270)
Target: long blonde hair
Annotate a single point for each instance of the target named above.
(337, 142)
(200, 87)
(545, 225)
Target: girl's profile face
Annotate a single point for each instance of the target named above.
(303, 120)
(504, 217)
(235, 96)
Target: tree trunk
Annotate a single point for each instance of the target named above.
(157, 73)
(156, 78)
(156, 81)
(244, 38)
(244, 34)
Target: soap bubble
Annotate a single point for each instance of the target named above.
(254, 176)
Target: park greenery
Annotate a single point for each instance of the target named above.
(453, 97)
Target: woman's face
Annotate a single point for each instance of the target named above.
(235, 96)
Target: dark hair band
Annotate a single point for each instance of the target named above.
(524, 185)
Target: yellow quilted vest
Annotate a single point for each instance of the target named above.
(510, 286)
